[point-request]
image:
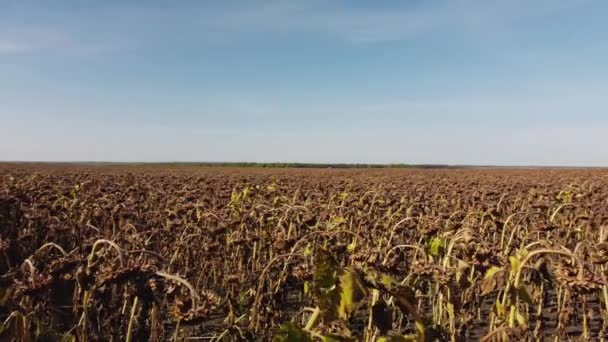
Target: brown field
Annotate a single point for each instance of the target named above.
(227, 254)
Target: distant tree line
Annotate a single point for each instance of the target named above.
(258, 165)
(310, 165)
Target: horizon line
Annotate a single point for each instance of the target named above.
(299, 164)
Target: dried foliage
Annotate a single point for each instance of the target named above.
(158, 253)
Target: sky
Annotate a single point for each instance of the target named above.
(488, 82)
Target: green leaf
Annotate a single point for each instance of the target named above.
(523, 253)
(351, 247)
(307, 251)
(523, 294)
(289, 332)
(492, 271)
(336, 221)
(344, 196)
(521, 320)
(325, 285)
(246, 192)
(493, 279)
(420, 329)
(437, 246)
(352, 292)
(386, 280)
(335, 338)
(515, 262)
(394, 338)
(500, 309)
(326, 268)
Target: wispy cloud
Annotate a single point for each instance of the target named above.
(134, 25)
(383, 24)
(551, 105)
(19, 40)
(11, 47)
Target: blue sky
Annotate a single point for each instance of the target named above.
(507, 82)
